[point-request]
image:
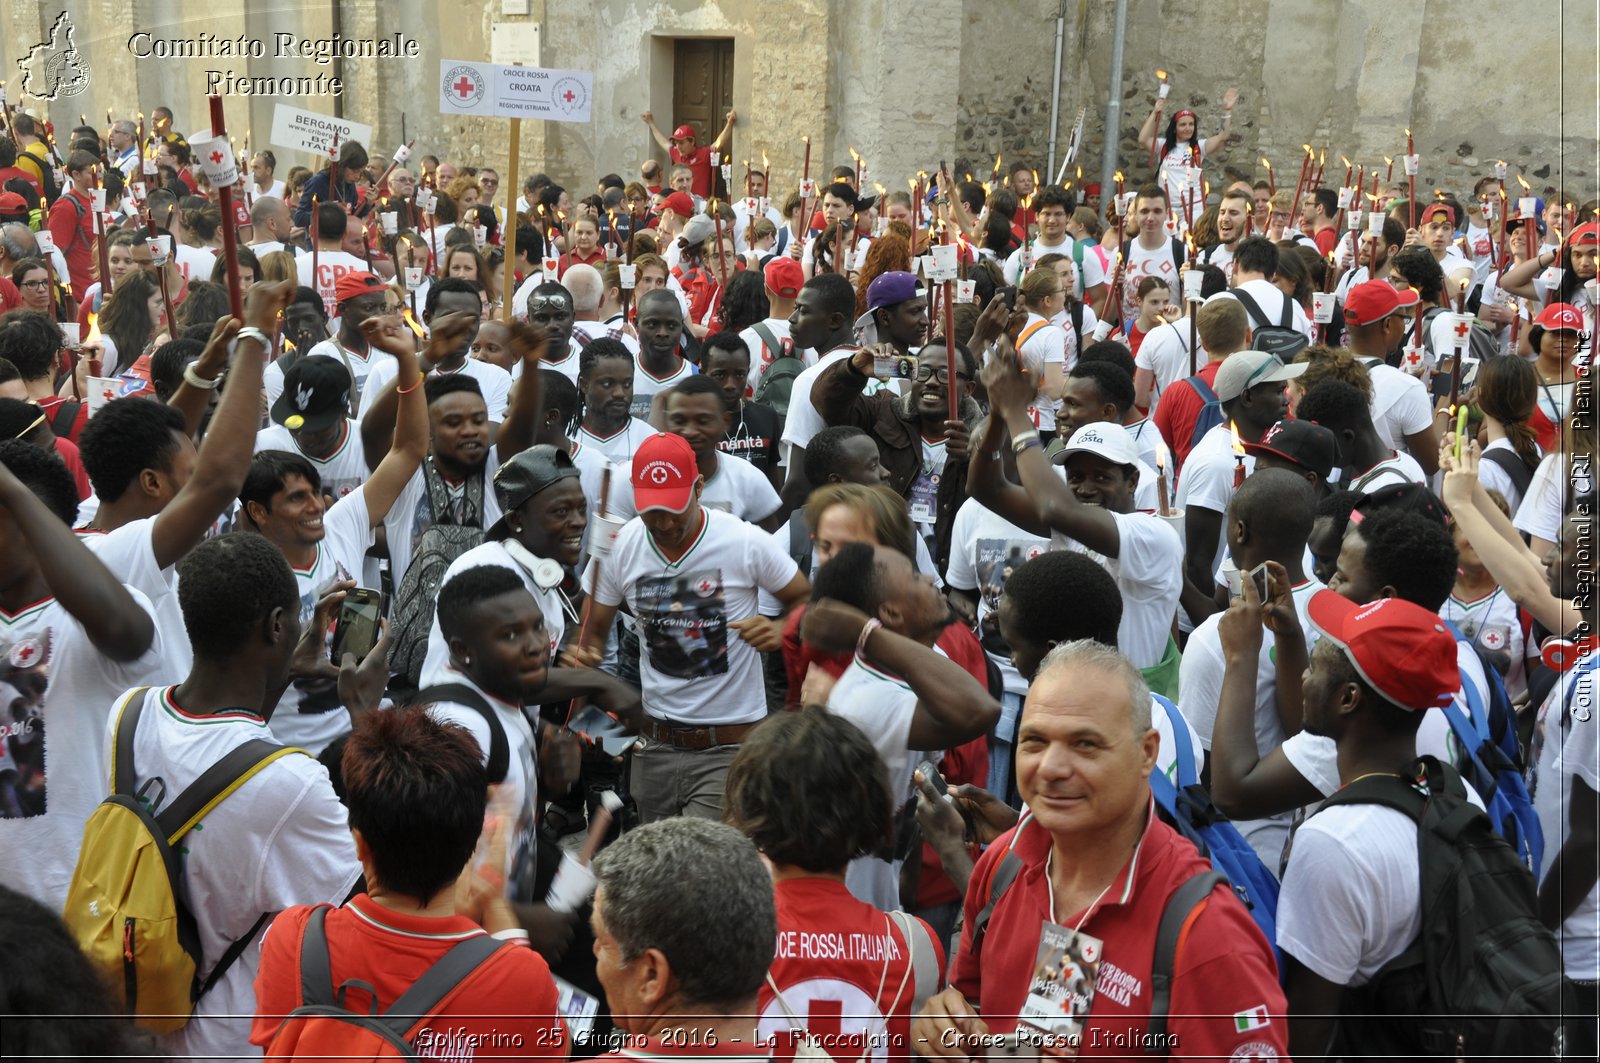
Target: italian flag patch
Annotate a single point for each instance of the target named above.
(1254, 1019)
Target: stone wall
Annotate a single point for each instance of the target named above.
(909, 84)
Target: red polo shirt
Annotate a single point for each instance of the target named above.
(1179, 410)
(595, 258)
(699, 161)
(72, 226)
(1223, 972)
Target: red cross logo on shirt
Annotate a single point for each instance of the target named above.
(216, 158)
(463, 87)
(25, 654)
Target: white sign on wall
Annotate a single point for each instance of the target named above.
(493, 90)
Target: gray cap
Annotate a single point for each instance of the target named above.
(697, 230)
(1243, 370)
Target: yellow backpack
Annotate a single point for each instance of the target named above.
(123, 905)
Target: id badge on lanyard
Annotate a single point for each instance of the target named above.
(1061, 991)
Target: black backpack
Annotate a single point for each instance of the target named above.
(499, 751)
(439, 545)
(1512, 465)
(1281, 339)
(777, 379)
(1484, 979)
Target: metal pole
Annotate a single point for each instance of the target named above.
(1108, 159)
(1055, 86)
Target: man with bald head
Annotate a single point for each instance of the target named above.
(270, 224)
(17, 242)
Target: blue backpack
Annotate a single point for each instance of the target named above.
(1210, 414)
(1189, 808)
(1489, 743)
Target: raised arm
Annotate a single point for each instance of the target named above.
(727, 130)
(224, 457)
(952, 707)
(1215, 144)
(410, 443)
(660, 139)
(988, 483)
(517, 431)
(1055, 506)
(116, 623)
(1151, 127)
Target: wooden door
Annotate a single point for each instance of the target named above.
(702, 89)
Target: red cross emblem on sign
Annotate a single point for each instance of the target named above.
(569, 96)
(1463, 328)
(216, 158)
(463, 87)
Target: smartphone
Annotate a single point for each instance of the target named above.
(932, 778)
(1008, 295)
(1263, 582)
(358, 625)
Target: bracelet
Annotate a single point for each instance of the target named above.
(195, 380)
(868, 628)
(1020, 439)
(250, 332)
(1025, 444)
(398, 390)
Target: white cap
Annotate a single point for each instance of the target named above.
(1104, 439)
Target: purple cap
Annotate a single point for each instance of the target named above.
(887, 289)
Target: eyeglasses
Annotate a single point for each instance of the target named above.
(937, 373)
(36, 285)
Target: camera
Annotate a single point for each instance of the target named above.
(894, 367)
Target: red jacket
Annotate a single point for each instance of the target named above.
(72, 226)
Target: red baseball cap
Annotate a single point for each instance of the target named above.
(664, 474)
(1401, 650)
(784, 276)
(1557, 317)
(1435, 208)
(353, 285)
(680, 203)
(1374, 301)
(12, 201)
(1585, 235)
(683, 132)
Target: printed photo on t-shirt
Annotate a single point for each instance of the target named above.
(997, 559)
(685, 624)
(24, 679)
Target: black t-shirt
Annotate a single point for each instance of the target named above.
(754, 437)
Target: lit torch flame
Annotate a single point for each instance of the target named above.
(1523, 183)
(1161, 457)
(1267, 163)
(411, 321)
(1161, 74)
(94, 329)
(1238, 444)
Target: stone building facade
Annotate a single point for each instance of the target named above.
(907, 84)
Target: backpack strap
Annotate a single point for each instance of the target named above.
(1250, 305)
(1029, 332)
(123, 779)
(1179, 256)
(461, 694)
(65, 415)
(439, 981)
(1176, 917)
(234, 951)
(1005, 873)
(217, 783)
(316, 967)
(924, 960)
(768, 340)
(1513, 466)
(1203, 388)
(1183, 750)
(799, 542)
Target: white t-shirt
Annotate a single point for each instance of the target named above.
(1565, 748)
(646, 384)
(1481, 244)
(1207, 478)
(275, 190)
(693, 666)
(1147, 438)
(1399, 406)
(1148, 569)
(1143, 262)
(620, 445)
(803, 421)
(1165, 353)
(494, 382)
(1045, 344)
(437, 661)
(129, 551)
(310, 714)
(567, 366)
(1091, 274)
(281, 839)
(985, 549)
(1398, 469)
(360, 366)
(412, 513)
(883, 706)
(267, 247)
(741, 222)
(738, 488)
(1271, 299)
(1494, 625)
(1494, 478)
(1171, 171)
(341, 472)
(331, 265)
(58, 690)
(1545, 504)
(1200, 692)
(1351, 898)
(194, 262)
(1220, 256)
(516, 797)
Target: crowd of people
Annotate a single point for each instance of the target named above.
(687, 618)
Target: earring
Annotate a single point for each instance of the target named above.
(466, 660)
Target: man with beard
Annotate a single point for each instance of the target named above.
(605, 382)
(691, 576)
(696, 411)
(1092, 512)
(924, 451)
(453, 295)
(660, 364)
(1233, 224)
